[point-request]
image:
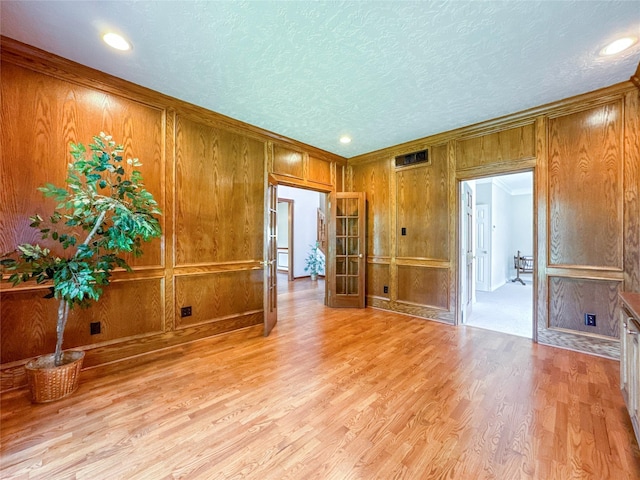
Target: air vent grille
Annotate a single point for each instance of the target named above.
(412, 158)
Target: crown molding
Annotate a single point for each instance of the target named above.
(27, 56)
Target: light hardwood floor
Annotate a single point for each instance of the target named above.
(332, 394)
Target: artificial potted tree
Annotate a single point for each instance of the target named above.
(314, 263)
(103, 212)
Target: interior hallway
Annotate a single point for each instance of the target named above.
(332, 394)
(507, 309)
(287, 290)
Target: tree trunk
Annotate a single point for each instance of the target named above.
(63, 308)
(63, 315)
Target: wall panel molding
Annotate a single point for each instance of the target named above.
(586, 211)
(45, 113)
(588, 142)
(207, 172)
(415, 310)
(587, 273)
(580, 343)
(632, 191)
(423, 286)
(570, 298)
(497, 168)
(219, 195)
(13, 376)
(423, 209)
(49, 64)
(374, 179)
(129, 308)
(504, 146)
(288, 162)
(320, 171)
(583, 101)
(213, 296)
(378, 276)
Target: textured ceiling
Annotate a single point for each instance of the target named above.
(381, 72)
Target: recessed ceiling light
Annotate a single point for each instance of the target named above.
(618, 46)
(116, 41)
(344, 139)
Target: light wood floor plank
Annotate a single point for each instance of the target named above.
(332, 394)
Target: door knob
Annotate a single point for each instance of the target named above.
(360, 255)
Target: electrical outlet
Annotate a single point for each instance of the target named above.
(94, 328)
(404, 231)
(590, 319)
(386, 289)
(185, 311)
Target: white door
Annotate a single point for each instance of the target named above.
(483, 248)
(467, 251)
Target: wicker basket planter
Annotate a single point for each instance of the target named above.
(48, 383)
(104, 201)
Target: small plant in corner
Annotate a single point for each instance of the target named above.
(103, 212)
(314, 263)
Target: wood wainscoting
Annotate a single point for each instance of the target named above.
(585, 155)
(207, 172)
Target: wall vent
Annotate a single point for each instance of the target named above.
(412, 158)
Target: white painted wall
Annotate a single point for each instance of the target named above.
(282, 235)
(511, 218)
(305, 215)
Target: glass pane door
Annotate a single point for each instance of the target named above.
(347, 282)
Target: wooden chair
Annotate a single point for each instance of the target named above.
(522, 264)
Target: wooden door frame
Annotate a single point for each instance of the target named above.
(465, 177)
(293, 182)
(290, 223)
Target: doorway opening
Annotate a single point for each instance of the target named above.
(497, 248)
(301, 225)
(284, 237)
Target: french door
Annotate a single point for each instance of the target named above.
(346, 262)
(270, 262)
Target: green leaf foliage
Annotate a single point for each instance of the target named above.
(314, 263)
(103, 212)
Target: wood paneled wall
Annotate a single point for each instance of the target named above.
(219, 195)
(299, 169)
(422, 206)
(41, 115)
(585, 181)
(208, 174)
(415, 267)
(585, 154)
(507, 145)
(129, 308)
